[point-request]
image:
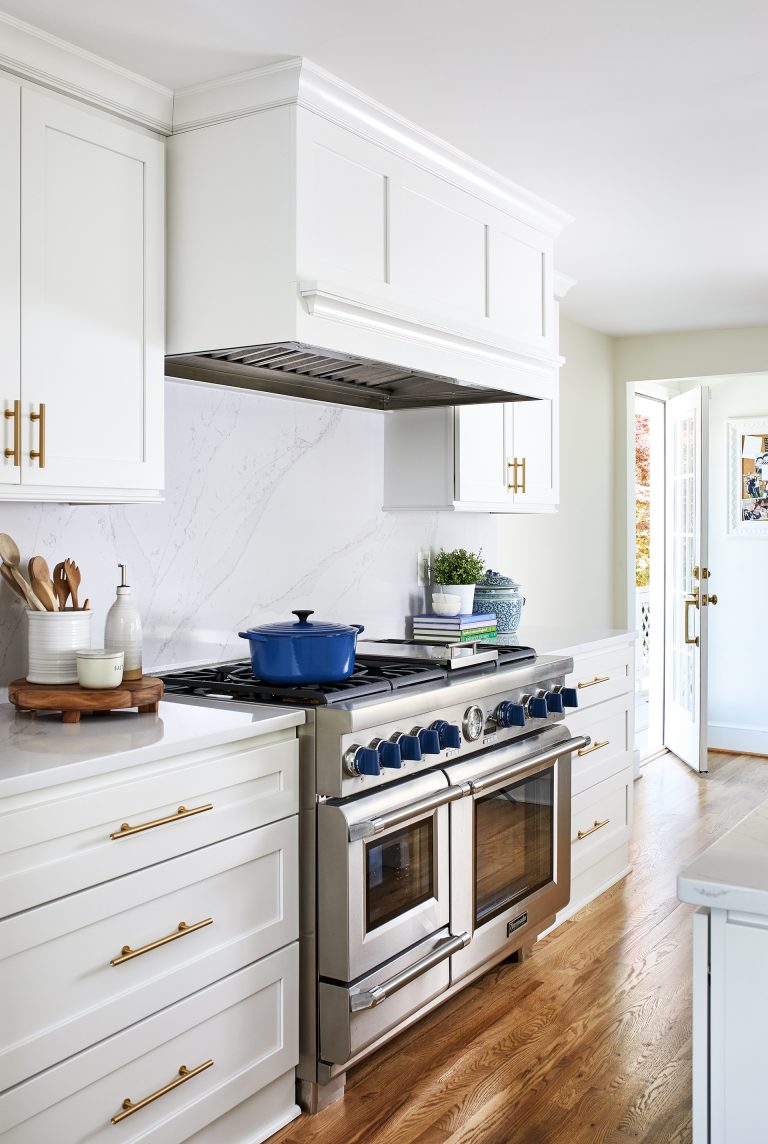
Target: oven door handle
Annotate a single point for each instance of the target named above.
(524, 766)
(369, 998)
(368, 827)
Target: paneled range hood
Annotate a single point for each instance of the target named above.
(321, 246)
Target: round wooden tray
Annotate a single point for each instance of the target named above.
(72, 700)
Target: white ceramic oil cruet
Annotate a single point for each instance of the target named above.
(122, 631)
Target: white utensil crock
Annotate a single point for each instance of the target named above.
(53, 639)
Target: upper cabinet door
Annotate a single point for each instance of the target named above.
(532, 436)
(92, 299)
(481, 455)
(10, 278)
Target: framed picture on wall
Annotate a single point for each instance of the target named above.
(748, 476)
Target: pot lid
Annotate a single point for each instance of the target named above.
(496, 580)
(305, 627)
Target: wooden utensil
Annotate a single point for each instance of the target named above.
(42, 584)
(72, 573)
(60, 584)
(9, 553)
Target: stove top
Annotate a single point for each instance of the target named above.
(376, 673)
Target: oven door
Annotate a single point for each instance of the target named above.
(382, 875)
(510, 844)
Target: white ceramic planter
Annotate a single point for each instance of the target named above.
(465, 591)
(53, 639)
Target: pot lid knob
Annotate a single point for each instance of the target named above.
(302, 613)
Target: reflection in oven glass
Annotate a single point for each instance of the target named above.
(513, 844)
(399, 873)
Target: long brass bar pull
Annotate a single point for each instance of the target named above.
(594, 747)
(127, 954)
(15, 413)
(513, 466)
(597, 826)
(185, 1074)
(522, 466)
(126, 830)
(593, 682)
(39, 454)
(690, 602)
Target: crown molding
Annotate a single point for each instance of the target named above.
(35, 55)
(562, 283)
(303, 84)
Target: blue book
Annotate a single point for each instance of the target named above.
(463, 621)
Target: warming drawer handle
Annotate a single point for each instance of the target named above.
(370, 998)
(183, 812)
(371, 826)
(524, 767)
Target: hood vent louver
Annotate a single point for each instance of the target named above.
(295, 370)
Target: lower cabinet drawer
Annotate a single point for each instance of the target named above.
(610, 727)
(602, 674)
(62, 839)
(600, 820)
(244, 1028)
(60, 990)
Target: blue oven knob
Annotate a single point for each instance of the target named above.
(509, 714)
(449, 735)
(570, 696)
(537, 707)
(410, 747)
(429, 741)
(389, 755)
(554, 701)
(362, 761)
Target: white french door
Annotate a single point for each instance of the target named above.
(686, 575)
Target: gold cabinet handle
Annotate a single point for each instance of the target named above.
(690, 602)
(39, 454)
(126, 830)
(185, 1074)
(127, 954)
(593, 682)
(522, 466)
(597, 826)
(513, 466)
(15, 413)
(594, 747)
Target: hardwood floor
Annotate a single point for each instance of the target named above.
(587, 1040)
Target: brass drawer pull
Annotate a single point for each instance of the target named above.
(185, 1074)
(592, 829)
(181, 813)
(39, 454)
(127, 954)
(15, 413)
(593, 682)
(595, 747)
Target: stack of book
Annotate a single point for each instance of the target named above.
(454, 629)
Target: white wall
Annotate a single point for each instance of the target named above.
(271, 504)
(564, 561)
(738, 626)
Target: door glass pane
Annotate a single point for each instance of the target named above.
(683, 557)
(399, 873)
(513, 843)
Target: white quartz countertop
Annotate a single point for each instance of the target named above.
(576, 640)
(733, 873)
(40, 751)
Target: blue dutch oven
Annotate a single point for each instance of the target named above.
(303, 652)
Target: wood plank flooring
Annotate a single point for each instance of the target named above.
(587, 1040)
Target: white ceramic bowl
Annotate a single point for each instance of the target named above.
(54, 637)
(446, 604)
(100, 668)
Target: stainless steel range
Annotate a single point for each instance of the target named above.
(434, 827)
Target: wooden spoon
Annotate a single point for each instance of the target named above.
(42, 584)
(60, 584)
(72, 573)
(9, 553)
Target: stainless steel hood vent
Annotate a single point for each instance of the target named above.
(295, 370)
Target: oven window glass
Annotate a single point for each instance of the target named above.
(513, 843)
(399, 873)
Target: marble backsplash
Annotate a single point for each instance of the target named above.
(271, 504)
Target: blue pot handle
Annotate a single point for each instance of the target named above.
(360, 627)
(252, 636)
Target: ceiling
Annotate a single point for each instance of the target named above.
(645, 119)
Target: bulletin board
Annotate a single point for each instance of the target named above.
(748, 476)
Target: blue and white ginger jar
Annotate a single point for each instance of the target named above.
(501, 595)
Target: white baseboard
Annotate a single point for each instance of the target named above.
(747, 740)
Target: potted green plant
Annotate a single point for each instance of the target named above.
(456, 572)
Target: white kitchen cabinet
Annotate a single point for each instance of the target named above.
(82, 283)
(494, 458)
(149, 921)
